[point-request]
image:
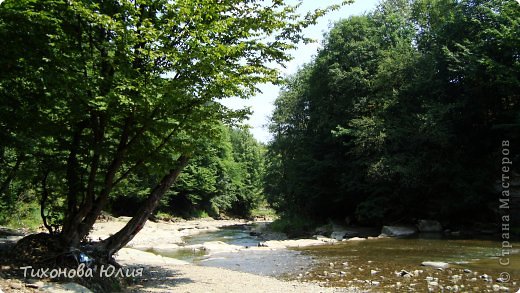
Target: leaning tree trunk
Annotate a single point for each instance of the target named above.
(117, 241)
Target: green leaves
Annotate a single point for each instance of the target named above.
(104, 91)
(388, 120)
(225, 177)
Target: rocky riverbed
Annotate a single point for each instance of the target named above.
(239, 256)
(165, 274)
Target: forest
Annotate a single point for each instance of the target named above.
(392, 164)
(401, 115)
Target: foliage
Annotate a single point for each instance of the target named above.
(293, 225)
(226, 178)
(96, 96)
(400, 116)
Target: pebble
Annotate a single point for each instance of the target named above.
(467, 271)
(34, 284)
(342, 273)
(404, 274)
(375, 283)
(456, 278)
(374, 272)
(496, 288)
(16, 286)
(433, 284)
(345, 264)
(331, 265)
(486, 278)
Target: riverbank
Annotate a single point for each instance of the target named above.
(225, 261)
(164, 274)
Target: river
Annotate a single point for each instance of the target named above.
(376, 264)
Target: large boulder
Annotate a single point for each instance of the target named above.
(398, 231)
(324, 230)
(338, 235)
(429, 226)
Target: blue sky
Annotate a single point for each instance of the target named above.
(262, 104)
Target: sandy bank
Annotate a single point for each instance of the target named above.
(165, 275)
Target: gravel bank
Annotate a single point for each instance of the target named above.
(162, 276)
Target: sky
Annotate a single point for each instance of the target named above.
(262, 104)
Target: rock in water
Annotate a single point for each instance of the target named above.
(429, 226)
(436, 264)
(404, 274)
(338, 235)
(398, 231)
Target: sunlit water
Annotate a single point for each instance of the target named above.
(268, 263)
(374, 264)
(370, 264)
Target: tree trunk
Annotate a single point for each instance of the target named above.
(78, 225)
(117, 241)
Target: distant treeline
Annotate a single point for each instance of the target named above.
(401, 115)
(225, 177)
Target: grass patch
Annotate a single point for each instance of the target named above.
(25, 216)
(199, 214)
(264, 211)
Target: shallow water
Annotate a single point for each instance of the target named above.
(374, 263)
(268, 263)
(370, 264)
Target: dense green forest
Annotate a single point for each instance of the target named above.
(401, 116)
(224, 178)
(94, 113)
(103, 103)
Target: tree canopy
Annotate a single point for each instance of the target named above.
(401, 115)
(94, 93)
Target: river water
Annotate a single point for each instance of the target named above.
(376, 265)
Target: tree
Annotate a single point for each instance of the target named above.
(95, 92)
(224, 179)
(400, 112)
